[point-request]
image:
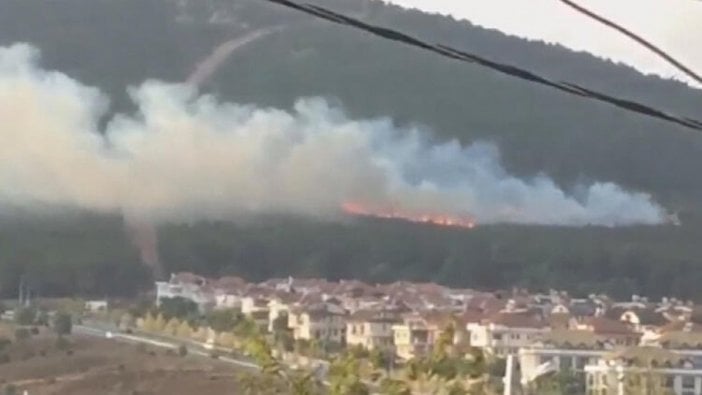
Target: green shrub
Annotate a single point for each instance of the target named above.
(22, 334)
(63, 324)
(25, 315)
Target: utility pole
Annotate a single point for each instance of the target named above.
(509, 368)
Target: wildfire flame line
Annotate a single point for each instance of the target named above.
(358, 209)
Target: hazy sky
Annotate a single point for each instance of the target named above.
(674, 25)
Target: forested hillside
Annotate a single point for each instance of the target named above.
(113, 44)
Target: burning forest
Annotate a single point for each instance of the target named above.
(188, 157)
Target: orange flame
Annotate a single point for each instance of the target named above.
(359, 209)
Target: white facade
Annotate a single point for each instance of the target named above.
(227, 301)
(574, 360)
(319, 326)
(252, 304)
(610, 378)
(370, 334)
(193, 292)
(412, 340)
(501, 340)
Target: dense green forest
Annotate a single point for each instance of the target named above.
(113, 44)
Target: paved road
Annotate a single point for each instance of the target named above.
(161, 343)
(106, 332)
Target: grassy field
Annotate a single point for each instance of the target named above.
(90, 366)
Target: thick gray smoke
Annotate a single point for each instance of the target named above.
(185, 157)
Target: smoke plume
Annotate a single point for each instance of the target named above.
(190, 157)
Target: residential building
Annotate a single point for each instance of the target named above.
(371, 329)
(505, 333)
(279, 306)
(569, 350)
(188, 286)
(643, 370)
(318, 322)
(417, 333)
(619, 333)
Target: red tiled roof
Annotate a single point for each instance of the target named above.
(608, 326)
(517, 320)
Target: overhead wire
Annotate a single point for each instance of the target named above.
(647, 44)
(508, 69)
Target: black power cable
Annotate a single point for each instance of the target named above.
(648, 45)
(514, 71)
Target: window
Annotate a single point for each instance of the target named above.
(566, 362)
(669, 381)
(688, 382)
(497, 336)
(580, 363)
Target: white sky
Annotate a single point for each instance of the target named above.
(673, 25)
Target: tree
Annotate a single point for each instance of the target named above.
(178, 307)
(25, 315)
(22, 334)
(246, 327)
(394, 387)
(344, 377)
(171, 327)
(63, 324)
(159, 324)
(42, 318)
(223, 320)
(272, 373)
(564, 382)
(379, 359)
(456, 388)
(148, 323)
(184, 330)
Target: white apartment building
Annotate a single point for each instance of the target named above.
(318, 323)
(641, 369)
(371, 329)
(506, 333)
(187, 286)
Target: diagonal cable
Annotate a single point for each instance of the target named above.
(650, 46)
(511, 70)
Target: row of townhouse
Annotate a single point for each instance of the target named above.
(635, 349)
(674, 365)
(409, 317)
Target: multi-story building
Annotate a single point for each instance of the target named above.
(187, 286)
(320, 322)
(371, 329)
(505, 333)
(417, 333)
(279, 306)
(559, 350)
(642, 370)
